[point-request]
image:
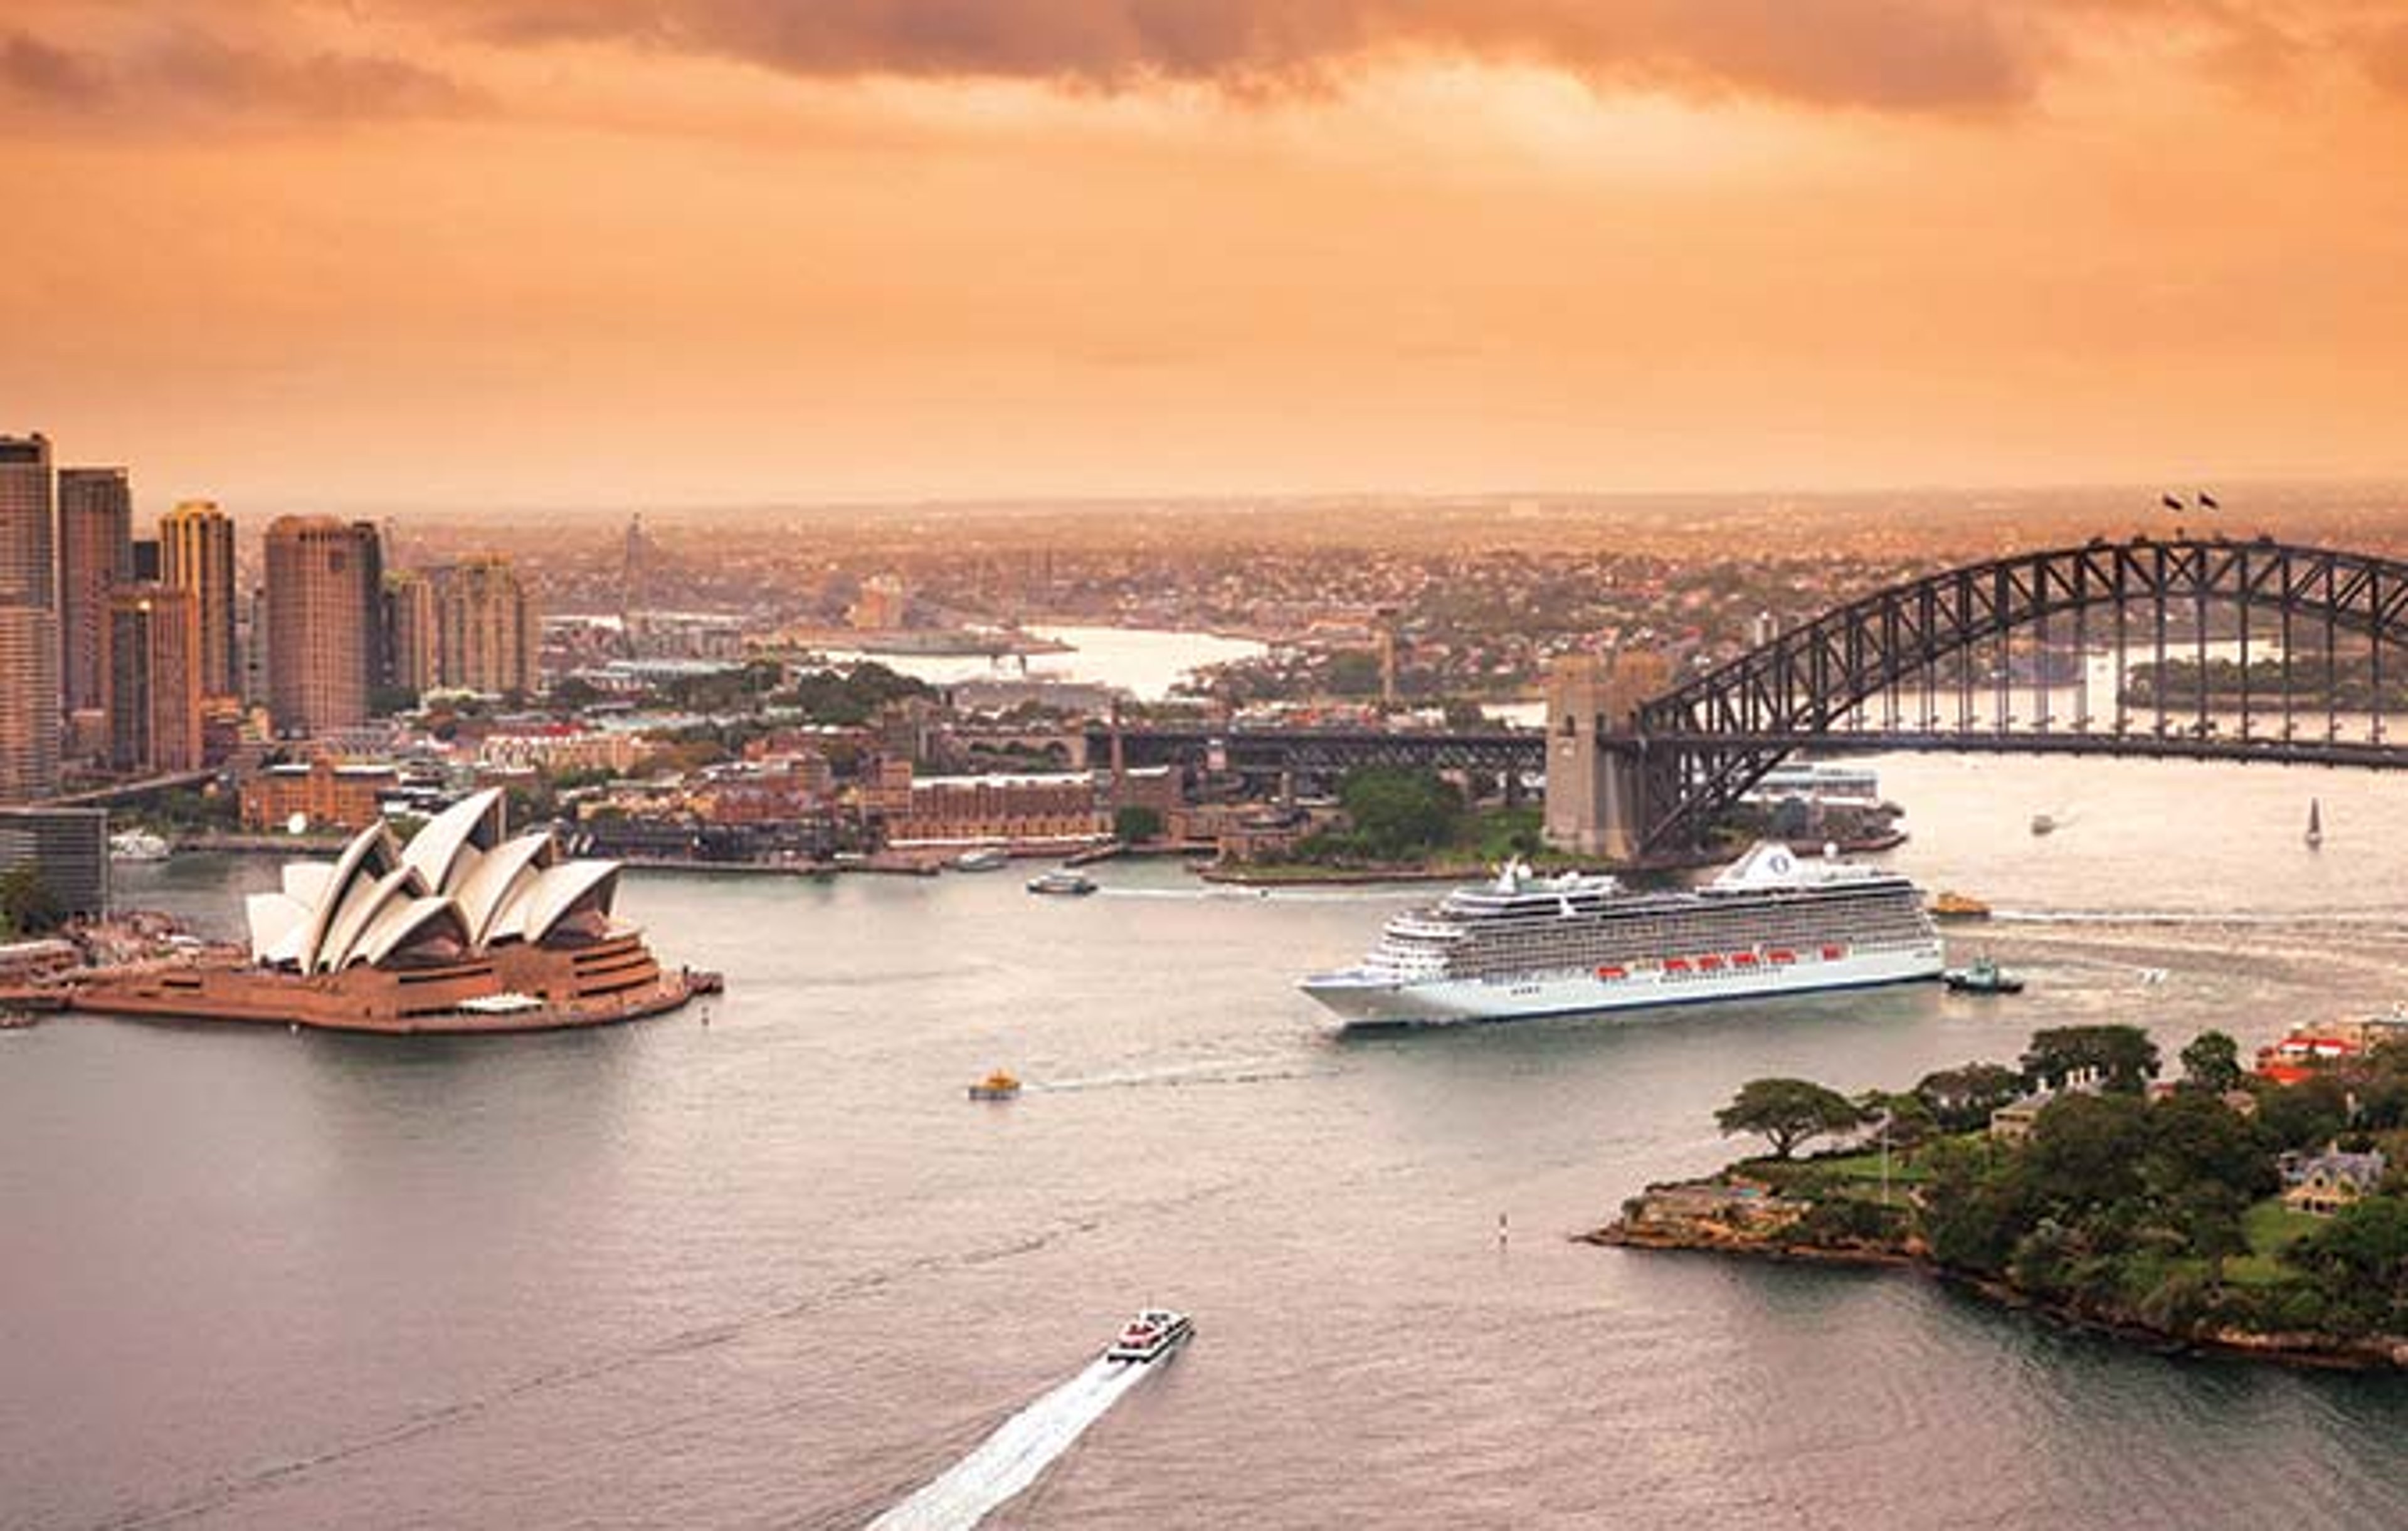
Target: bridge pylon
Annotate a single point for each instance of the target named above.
(1596, 792)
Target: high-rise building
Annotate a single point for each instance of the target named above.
(413, 644)
(489, 642)
(95, 556)
(196, 548)
(154, 681)
(323, 598)
(29, 623)
(146, 561)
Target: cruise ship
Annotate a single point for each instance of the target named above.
(1772, 923)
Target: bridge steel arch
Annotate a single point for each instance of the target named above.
(1844, 679)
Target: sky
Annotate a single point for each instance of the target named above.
(458, 254)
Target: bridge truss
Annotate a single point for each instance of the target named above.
(2197, 648)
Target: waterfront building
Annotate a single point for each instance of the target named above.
(197, 553)
(29, 630)
(465, 928)
(69, 848)
(1051, 808)
(155, 681)
(96, 530)
(324, 579)
(322, 793)
(489, 634)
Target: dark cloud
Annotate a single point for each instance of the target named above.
(33, 70)
(1887, 54)
(184, 74)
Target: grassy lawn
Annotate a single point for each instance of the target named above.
(2270, 1227)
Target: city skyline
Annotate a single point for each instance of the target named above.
(320, 257)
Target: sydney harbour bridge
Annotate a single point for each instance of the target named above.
(2197, 648)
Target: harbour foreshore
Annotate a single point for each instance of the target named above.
(1730, 1215)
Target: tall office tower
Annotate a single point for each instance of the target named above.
(146, 561)
(197, 553)
(29, 623)
(488, 624)
(154, 680)
(369, 537)
(95, 556)
(322, 610)
(411, 644)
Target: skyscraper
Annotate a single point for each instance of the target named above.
(96, 555)
(489, 641)
(322, 609)
(29, 625)
(412, 644)
(196, 548)
(154, 685)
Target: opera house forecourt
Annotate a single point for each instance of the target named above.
(464, 929)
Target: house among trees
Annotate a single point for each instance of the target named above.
(2324, 1183)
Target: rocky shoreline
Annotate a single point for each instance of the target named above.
(1665, 1218)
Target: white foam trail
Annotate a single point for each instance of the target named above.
(1023, 1447)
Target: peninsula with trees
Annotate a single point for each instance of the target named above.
(2260, 1212)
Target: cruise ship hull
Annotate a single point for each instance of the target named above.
(1361, 998)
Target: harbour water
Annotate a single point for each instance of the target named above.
(773, 1270)
(1144, 662)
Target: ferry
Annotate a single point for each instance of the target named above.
(999, 1085)
(1061, 883)
(1772, 923)
(1154, 1332)
(1951, 905)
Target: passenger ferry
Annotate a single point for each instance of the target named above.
(1772, 923)
(1154, 1332)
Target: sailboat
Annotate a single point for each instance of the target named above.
(2315, 823)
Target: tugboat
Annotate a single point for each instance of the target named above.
(2043, 825)
(999, 1085)
(1952, 904)
(1061, 883)
(1154, 1332)
(1984, 977)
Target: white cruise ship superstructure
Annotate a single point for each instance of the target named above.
(1772, 923)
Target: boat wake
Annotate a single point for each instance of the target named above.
(1005, 1464)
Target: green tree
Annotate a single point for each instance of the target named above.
(1353, 673)
(2086, 1149)
(1399, 813)
(1137, 824)
(1962, 1098)
(1788, 1113)
(2212, 1062)
(2122, 1058)
(27, 906)
(1905, 1120)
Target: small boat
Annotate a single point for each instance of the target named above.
(2315, 823)
(2043, 825)
(1952, 904)
(136, 845)
(1984, 977)
(999, 1085)
(986, 858)
(1061, 883)
(1154, 1332)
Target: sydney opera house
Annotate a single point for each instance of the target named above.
(465, 928)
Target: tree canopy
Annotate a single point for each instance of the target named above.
(1786, 1113)
(2123, 1059)
(2212, 1062)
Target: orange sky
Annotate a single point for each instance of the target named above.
(451, 252)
